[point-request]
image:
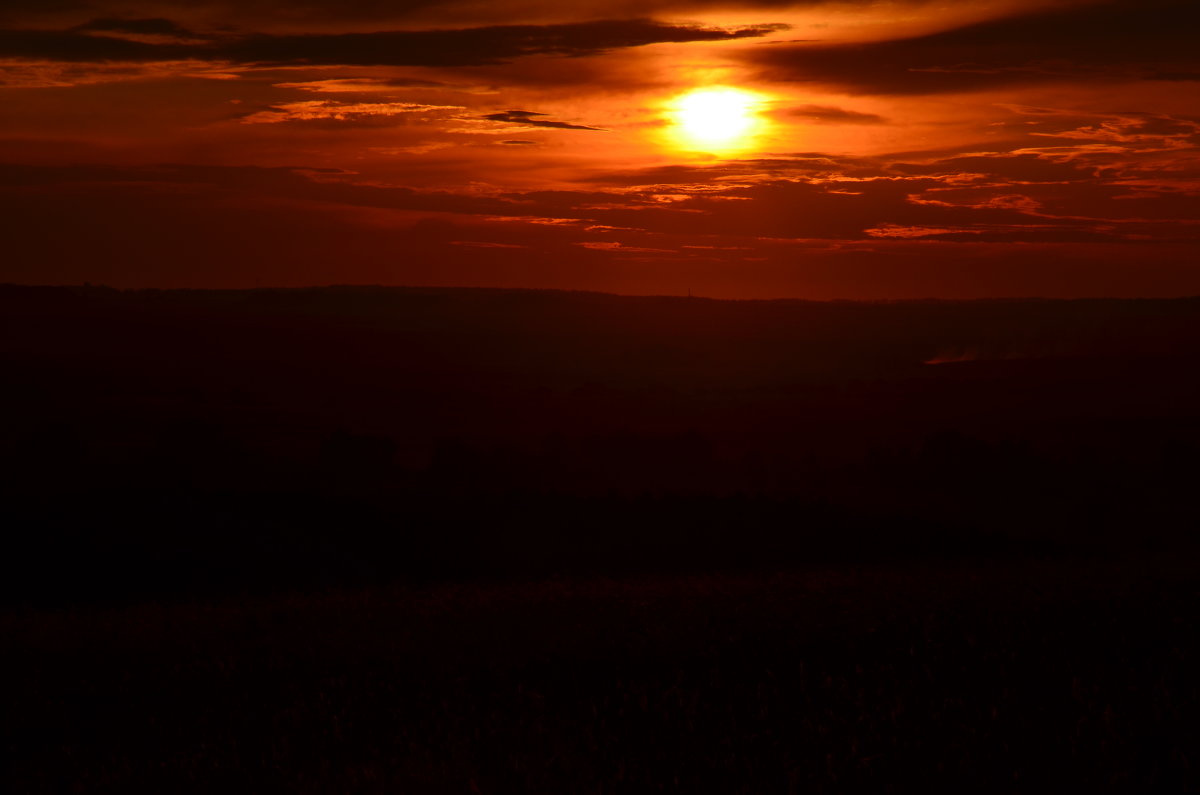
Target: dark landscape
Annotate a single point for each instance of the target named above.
(365, 539)
(730, 397)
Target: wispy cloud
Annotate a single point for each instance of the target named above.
(529, 118)
(361, 85)
(322, 110)
(826, 114)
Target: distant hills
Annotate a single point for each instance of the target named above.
(522, 415)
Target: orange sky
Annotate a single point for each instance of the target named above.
(889, 149)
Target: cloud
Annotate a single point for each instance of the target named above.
(1004, 166)
(1136, 128)
(51, 45)
(360, 85)
(1012, 234)
(357, 14)
(525, 119)
(825, 114)
(461, 47)
(830, 210)
(327, 110)
(186, 225)
(151, 27)
(30, 73)
(1116, 40)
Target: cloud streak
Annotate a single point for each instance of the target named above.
(1117, 40)
(528, 118)
(462, 47)
(325, 110)
(825, 114)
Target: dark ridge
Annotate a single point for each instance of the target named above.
(170, 443)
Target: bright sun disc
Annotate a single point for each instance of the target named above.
(717, 119)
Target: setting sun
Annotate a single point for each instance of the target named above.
(716, 119)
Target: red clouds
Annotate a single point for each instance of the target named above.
(1047, 153)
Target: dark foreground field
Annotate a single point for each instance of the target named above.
(487, 541)
(1015, 678)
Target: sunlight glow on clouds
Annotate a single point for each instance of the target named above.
(757, 143)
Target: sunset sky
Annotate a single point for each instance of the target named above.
(735, 149)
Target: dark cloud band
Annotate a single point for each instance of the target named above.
(465, 47)
(527, 118)
(1154, 39)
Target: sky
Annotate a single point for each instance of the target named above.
(826, 150)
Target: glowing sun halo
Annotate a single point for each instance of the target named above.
(716, 119)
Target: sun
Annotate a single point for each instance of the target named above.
(716, 119)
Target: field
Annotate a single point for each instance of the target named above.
(1016, 678)
(471, 541)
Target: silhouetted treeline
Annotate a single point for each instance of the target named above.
(177, 442)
